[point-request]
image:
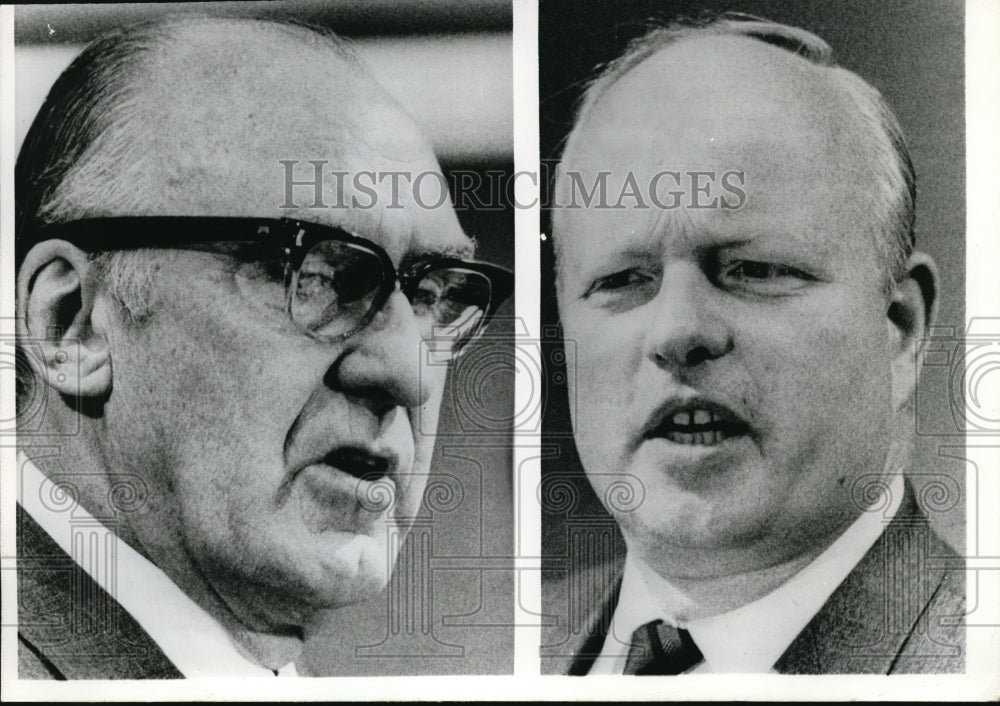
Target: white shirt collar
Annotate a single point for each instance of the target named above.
(749, 639)
(190, 638)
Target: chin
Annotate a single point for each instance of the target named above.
(356, 573)
(348, 592)
(353, 569)
(690, 521)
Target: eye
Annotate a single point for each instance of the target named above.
(314, 278)
(750, 270)
(618, 281)
(763, 277)
(448, 295)
(426, 296)
(622, 290)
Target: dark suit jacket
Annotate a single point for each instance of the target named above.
(900, 610)
(68, 626)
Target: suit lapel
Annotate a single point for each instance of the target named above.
(71, 623)
(591, 641)
(586, 600)
(862, 629)
(863, 626)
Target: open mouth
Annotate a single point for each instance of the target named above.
(358, 462)
(698, 423)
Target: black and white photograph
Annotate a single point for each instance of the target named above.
(453, 350)
(263, 305)
(757, 219)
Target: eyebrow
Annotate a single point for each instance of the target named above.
(465, 251)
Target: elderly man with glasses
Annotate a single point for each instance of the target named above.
(225, 392)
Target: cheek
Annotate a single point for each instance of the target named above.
(825, 374)
(583, 357)
(215, 403)
(425, 418)
(603, 360)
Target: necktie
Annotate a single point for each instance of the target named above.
(658, 648)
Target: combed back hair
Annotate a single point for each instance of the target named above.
(893, 230)
(88, 124)
(89, 120)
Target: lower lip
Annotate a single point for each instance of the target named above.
(681, 457)
(330, 484)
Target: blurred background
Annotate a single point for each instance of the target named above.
(912, 51)
(449, 608)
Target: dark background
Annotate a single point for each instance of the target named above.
(912, 51)
(450, 608)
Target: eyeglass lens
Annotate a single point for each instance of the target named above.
(451, 301)
(337, 286)
(340, 286)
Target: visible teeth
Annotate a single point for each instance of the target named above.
(700, 417)
(704, 438)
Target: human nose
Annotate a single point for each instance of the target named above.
(382, 362)
(687, 328)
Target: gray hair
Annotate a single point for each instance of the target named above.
(894, 235)
(87, 124)
(88, 121)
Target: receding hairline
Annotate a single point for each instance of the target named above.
(793, 40)
(810, 84)
(873, 118)
(173, 62)
(92, 108)
(252, 51)
(175, 35)
(102, 118)
(173, 26)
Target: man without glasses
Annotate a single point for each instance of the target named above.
(745, 369)
(229, 391)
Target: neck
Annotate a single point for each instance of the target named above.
(255, 636)
(701, 597)
(266, 649)
(721, 583)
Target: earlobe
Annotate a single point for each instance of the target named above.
(912, 311)
(55, 301)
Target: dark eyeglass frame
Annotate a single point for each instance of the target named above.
(293, 237)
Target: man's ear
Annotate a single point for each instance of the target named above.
(55, 299)
(912, 311)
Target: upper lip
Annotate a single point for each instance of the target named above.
(665, 412)
(365, 460)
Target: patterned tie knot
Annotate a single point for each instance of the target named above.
(658, 648)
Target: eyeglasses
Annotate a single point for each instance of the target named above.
(335, 282)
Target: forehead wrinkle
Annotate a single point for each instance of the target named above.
(219, 103)
(219, 127)
(210, 99)
(219, 139)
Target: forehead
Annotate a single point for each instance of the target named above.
(703, 97)
(227, 117)
(714, 105)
